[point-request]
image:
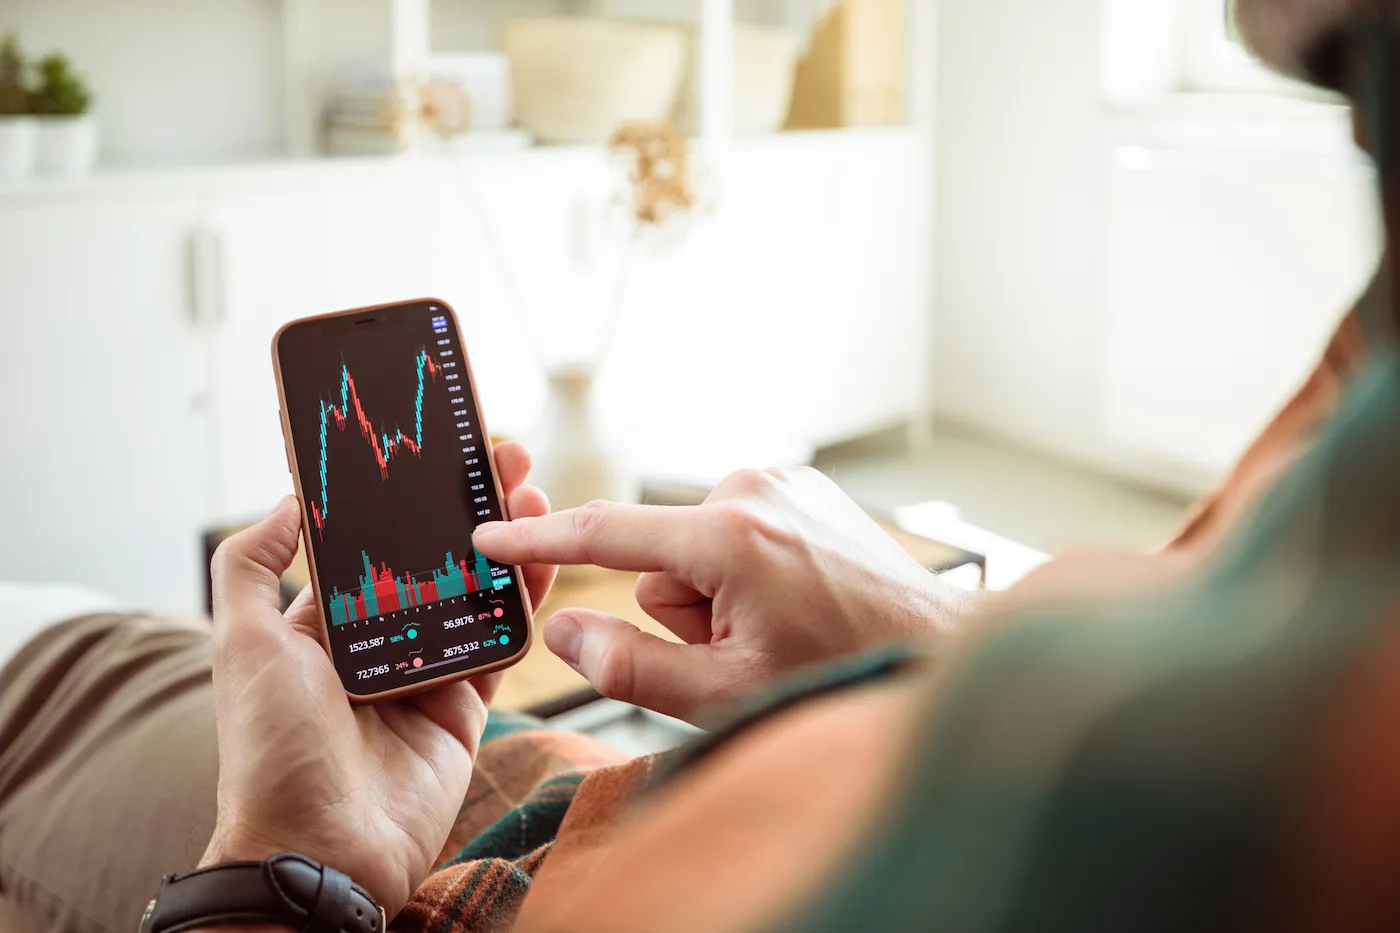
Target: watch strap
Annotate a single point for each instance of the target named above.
(287, 890)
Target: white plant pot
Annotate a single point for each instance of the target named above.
(19, 140)
(67, 146)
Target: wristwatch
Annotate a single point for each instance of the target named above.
(284, 890)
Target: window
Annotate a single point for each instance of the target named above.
(1155, 48)
(1217, 60)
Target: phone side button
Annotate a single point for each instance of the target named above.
(286, 445)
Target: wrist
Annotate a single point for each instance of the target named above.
(287, 891)
(233, 843)
(238, 846)
(942, 609)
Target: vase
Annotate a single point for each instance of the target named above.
(575, 461)
(67, 146)
(18, 141)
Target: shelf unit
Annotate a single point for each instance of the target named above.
(251, 80)
(409, 52)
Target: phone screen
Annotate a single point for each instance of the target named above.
(395, 474)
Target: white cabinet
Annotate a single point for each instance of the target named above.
(289, 247)
(796, 313)
(103, 469)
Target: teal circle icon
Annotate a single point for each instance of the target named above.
(505, 639)
(413, 633)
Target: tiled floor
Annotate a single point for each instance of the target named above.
(1028, 498)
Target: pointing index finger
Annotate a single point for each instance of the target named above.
(608, 534)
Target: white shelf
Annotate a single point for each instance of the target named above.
(226, 77)
(273, 168)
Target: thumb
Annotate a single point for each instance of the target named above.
(248, 566)
(624, 663)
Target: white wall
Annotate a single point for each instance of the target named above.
(1023, 241)
(475, 25)
(1034, 287)
(173, 80)
(195, 81)
(1229, 276)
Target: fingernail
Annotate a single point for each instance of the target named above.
(286, 503)
(564, 637)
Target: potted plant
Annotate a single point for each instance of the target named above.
(17, 128)
(67, 131)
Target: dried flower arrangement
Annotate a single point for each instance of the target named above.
(659, 175)
(657, 197)
(438, 105)
(656, 194)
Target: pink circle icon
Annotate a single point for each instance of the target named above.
(499, 612)
(417, 662)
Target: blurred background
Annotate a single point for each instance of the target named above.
(1014, 273)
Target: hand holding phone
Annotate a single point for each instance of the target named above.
(394, 469)
(300, 769)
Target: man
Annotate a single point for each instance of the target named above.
(1196, 739)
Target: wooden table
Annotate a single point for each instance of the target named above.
(541, 680)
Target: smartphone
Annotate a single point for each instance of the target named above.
(394, 470)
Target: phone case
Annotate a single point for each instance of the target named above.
(368, 699)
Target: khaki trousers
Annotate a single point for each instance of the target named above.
(108, 769)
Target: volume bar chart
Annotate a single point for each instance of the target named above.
(382, 591)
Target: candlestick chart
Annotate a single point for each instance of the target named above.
(384, 447)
